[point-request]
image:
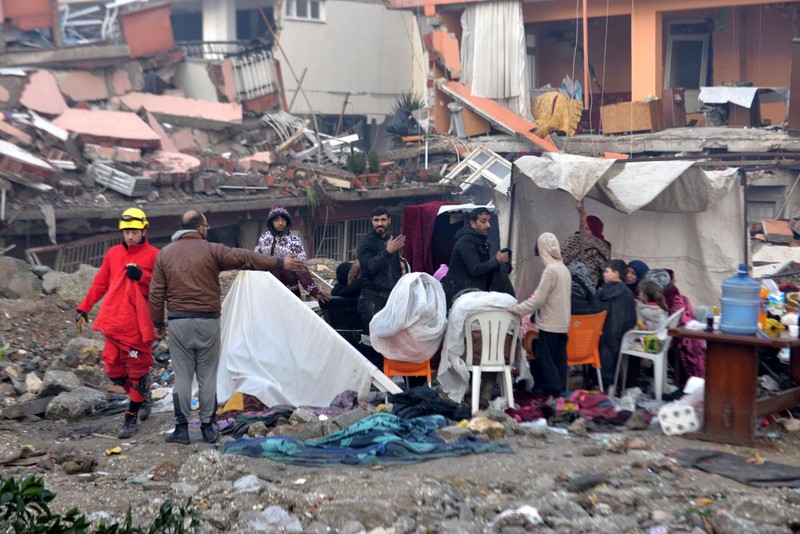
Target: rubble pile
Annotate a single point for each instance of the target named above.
(77, 137)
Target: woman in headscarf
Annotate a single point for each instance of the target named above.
(636, 271)
(596, 250)
(551, 302)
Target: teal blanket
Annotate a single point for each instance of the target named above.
(378, 439)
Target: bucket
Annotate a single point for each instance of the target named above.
(740, 301)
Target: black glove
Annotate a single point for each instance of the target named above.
(134, 271)
(80, 320)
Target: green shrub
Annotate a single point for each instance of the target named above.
(25, 509)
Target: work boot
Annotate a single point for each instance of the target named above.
(129, 426)
(209, 434)
(180, 435)
(145, 408)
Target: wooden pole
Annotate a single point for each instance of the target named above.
(586, 88)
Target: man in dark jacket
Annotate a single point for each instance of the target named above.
(471, 264)
(379, 257)
(186, 278)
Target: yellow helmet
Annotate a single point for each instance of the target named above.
(133, 219)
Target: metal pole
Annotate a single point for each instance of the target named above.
(743, 182)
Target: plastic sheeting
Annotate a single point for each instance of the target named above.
(278, 350)
(493, 63)
(453, 373)
(667, 214)
(411, 326)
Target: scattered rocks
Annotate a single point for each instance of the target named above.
(75, 404)
(585, 482)
(56, 382)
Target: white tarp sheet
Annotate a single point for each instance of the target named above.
(743, 96)
(697, 228)
(278, 350)
(411, 326)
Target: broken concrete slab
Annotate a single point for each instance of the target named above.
(172, 167)
(5, 95)
(119, 82)
(95, 152)
(42, 94)
(127, 155)
(120, 127)
(777, 231)
(184, 111)
(497, 114)
(445, 48)
(82, 86)
(15, 159)
(47, 128)
(13, 133)
(182, 140)
(259, 160)
(166, 143)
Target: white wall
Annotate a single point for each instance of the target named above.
(361, 48)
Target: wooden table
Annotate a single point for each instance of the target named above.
(731, 408)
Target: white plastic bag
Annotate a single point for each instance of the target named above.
(411, 326)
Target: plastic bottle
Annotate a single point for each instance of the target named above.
(740, 303)
(763, 298)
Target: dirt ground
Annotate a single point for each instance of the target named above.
(643, 489)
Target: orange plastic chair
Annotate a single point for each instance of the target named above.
(393, 368)
(583, 342)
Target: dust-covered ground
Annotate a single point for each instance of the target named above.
(621, 481)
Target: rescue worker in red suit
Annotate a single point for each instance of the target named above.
(124, 317)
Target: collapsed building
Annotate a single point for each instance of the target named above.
(103, 110)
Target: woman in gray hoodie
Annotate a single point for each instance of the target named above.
(551, 302)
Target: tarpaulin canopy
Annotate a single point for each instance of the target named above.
(278, 350)
(668, 214)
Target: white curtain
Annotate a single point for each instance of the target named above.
(493, 53)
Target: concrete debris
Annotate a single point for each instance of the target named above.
(116, 128)
(184, 111)
(43, 95)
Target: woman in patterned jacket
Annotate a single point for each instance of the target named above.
(278, 241)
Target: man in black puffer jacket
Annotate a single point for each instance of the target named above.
(379, 256)
(471, 264)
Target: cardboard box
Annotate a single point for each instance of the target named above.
(630, 117)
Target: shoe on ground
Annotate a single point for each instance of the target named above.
(209, 434)
(129, 426)
(179, 435)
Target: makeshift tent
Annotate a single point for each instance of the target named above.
(668, 214)
(277, 349)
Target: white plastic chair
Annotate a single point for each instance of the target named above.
(494, 326)
(659, 358)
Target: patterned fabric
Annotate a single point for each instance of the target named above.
(283, 244)
(380, 439)
(596, 255)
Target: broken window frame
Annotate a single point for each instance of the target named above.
(290, 10)
(480, 169)
(690, 93)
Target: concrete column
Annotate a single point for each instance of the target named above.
(219, 20)
(2, 34)
(646, 63)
